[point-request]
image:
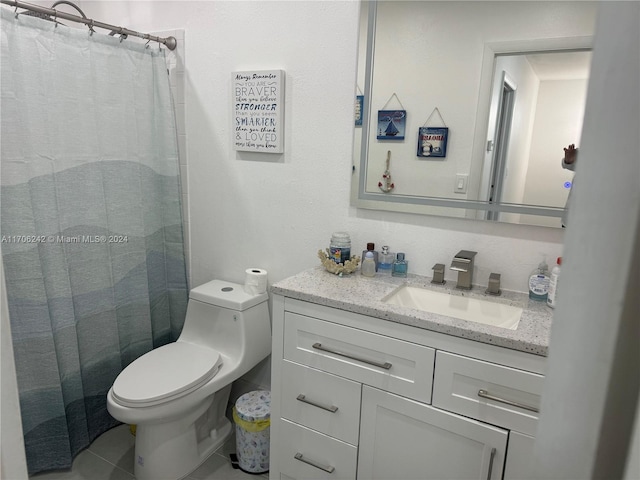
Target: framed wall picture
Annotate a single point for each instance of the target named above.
(391, 124)
(258, 111)
(359, 107)
(432, 142)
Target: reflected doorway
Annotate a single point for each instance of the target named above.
(501, 146)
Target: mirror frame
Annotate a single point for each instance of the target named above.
(473, 209)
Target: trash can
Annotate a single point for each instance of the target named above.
(252, 416)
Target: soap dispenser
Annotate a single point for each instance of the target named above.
(539, 283)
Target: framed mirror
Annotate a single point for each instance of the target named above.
(507, 79)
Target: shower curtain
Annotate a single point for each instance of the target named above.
(91, 228)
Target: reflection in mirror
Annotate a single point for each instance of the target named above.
(509, 79)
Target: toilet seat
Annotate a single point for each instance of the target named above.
(166, 373)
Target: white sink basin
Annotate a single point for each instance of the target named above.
(464, 308)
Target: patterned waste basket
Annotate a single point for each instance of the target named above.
(252, 415)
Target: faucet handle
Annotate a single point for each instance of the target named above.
(494, 285)
(438, 274)
(465, 255)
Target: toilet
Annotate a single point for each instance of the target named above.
(177, 394)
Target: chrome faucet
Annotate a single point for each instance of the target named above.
(463, 264)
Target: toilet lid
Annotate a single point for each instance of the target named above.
(166, 372)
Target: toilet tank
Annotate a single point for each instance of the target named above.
(227, 295)
(222, 316)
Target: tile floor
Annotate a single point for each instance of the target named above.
(110, 457)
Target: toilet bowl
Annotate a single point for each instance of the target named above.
(177, 394)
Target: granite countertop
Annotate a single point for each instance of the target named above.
(358, 294)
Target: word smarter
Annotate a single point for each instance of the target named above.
(64, 239)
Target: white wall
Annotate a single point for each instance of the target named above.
(558, 123)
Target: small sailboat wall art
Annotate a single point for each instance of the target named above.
(391, 124)
(391, 130)
(386, 185)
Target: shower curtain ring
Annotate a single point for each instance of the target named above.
(91, 30)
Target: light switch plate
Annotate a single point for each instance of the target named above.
(462, 179)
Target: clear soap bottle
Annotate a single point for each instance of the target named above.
(368, 265)
(385, 261)
(400, 266)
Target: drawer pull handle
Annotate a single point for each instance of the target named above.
(385, 365)
(485, 394)
(328, 408)
(493, 455)
(298, 456)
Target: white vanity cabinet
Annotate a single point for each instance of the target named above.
(354, 396)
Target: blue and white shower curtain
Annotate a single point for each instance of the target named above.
(91, 228)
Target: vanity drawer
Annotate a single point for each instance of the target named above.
(486, 391)
(322, 401)
(307, 454)
(387, 363)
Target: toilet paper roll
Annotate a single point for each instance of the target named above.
(255, 281)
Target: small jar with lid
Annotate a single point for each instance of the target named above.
(340, 247)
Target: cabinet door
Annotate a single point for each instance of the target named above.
(518, 466)
(404, 439)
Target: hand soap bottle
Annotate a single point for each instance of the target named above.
(385, 261)
(400, 266)
(539, 283)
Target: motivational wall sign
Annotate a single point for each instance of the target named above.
(258, 100)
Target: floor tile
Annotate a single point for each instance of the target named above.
(110, 457)
(218, 467)
(87, 466)
(116, 446)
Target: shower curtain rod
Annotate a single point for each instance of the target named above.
(169, 42)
